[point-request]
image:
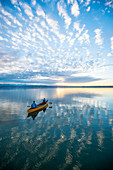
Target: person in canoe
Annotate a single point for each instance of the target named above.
(33, 105)
(44, 101)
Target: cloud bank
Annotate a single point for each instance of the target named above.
(51, 42)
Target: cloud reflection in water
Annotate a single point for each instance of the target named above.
(72, 134)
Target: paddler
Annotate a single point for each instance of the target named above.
(44, 101)
(33, 105)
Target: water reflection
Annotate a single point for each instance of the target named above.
(33, 115)
(73, 134)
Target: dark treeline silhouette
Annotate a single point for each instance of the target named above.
(48, 86)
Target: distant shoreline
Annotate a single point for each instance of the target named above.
(46, 86)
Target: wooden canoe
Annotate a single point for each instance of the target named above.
(41, 106)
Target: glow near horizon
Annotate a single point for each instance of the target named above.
(60, 42)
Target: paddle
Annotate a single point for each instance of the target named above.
(28, 106)
(50, 103)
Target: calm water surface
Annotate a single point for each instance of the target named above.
(76, 133)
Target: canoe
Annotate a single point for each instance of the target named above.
(41, 106)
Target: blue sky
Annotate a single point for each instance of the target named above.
(56, 42)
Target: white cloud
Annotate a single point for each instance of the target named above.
(40, 11)
(28, 10)
(43, 24)
(112, 43)
(1, 38)
(70, 1)
(52, 23)
(87, 2)
(75, 9)
(21, 17)
(84, 38)
(5, 13)
(54, 39)
(33, 2)
(77, 27)
(109, 3)
(81, 1)
(98, 39)
(11, 17)
(88, 9)
(40, 30)
(60, 36)
(14, 1)
(63, 13)
(17, 22)
(7, 21)
(71, 42)
(17, 8)
(109, 54)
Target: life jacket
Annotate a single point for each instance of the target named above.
(33, 105)
(44, 101)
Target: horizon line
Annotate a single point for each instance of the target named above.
(54, 86)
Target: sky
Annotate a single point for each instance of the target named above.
(56, 42)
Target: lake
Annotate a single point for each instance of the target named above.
(74, 132)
